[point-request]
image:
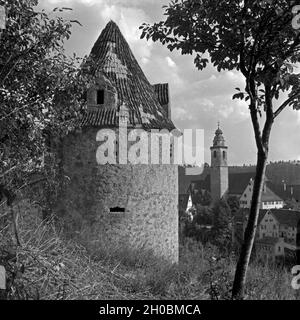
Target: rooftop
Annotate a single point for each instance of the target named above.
(114, 60)
(286, 217)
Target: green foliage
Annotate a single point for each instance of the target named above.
(211, 224)
(233, 203)
(254, 37)
(222, 227)
(203, 198)
(41, 89)
(292, 204)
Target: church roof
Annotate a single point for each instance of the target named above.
(237, 185)
(184, 181)
(239, 181)
(114, 59)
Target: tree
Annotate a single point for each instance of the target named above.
(197, 220)
(259, 39)
(292, 205)
(41, 91)
(202, 197)
(222, 225)
(234, 204)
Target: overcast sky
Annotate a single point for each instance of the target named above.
(199, 98)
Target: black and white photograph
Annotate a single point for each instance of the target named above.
(150, 151)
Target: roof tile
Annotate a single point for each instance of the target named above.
(115, 60)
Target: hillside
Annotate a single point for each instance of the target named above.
(49, 266)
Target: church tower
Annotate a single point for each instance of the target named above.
(219, 167)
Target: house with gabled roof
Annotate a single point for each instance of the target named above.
(123, 205)
(269, 248)
(283, 226)
(269, 200)
(278, 233)
(279, 224)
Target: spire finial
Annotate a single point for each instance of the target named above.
(218, 124)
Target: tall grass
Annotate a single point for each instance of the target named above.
(47, 265)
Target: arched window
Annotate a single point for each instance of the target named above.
(215, 154)
(224, 155)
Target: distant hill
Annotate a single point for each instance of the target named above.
(277, 172)
(284, 171)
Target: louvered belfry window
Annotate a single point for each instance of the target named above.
(100, 96)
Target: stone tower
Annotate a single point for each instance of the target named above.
(219, 167)
(122, 205)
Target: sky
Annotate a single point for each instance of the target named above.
(199, 99)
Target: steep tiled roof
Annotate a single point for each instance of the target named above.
(184, 181)
(288, 192)
(269, 196)
(287, 217)
(239, 181)
(114, 59)
(237, 185)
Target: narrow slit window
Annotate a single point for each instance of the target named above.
(117, 210)
(100, 96)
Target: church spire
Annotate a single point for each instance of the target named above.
(219, 139)
(219, 166)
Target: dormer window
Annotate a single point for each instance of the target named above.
(100, 96)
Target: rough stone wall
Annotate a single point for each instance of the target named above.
(149, 194)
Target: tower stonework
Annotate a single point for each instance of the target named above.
(219, 167)
(130, 206)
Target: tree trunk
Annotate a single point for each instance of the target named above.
(245, 254)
